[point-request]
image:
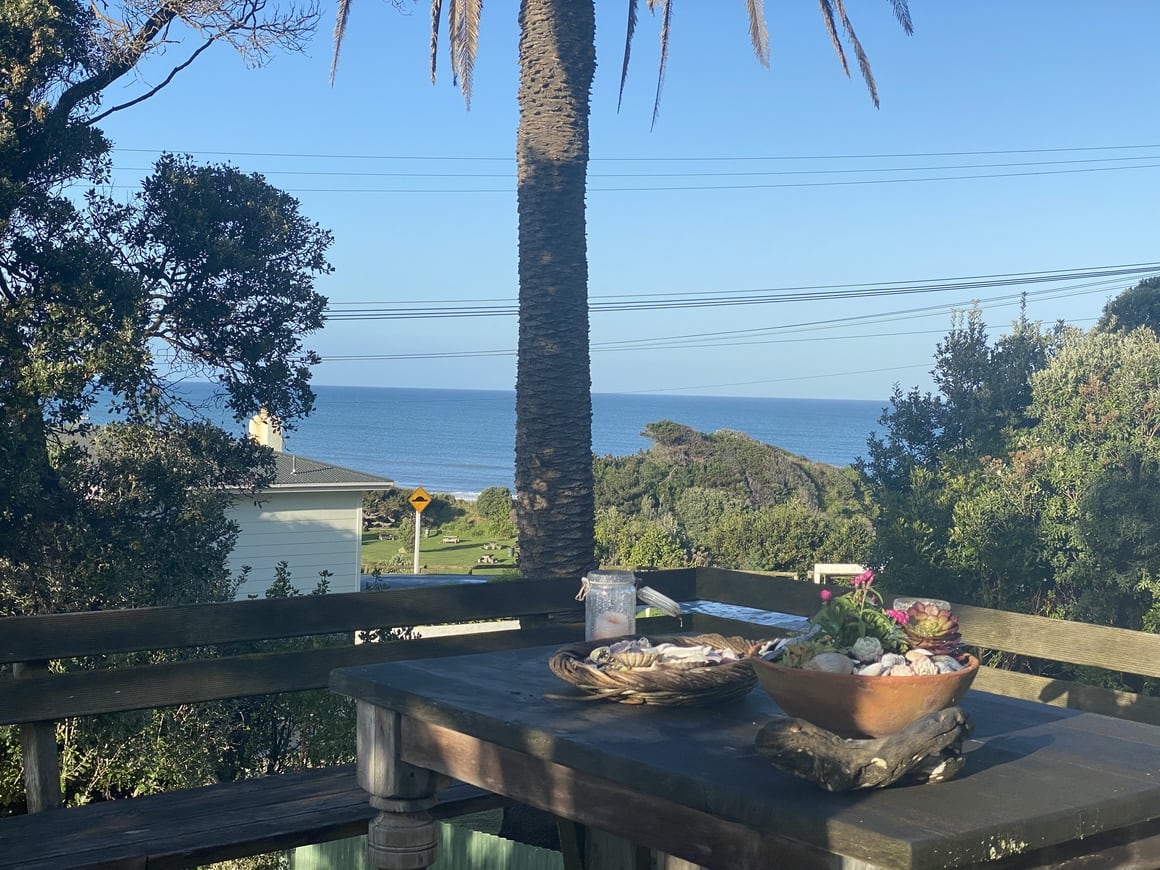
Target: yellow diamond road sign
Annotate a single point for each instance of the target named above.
(419, 500)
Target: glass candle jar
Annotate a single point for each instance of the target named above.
(609, 604)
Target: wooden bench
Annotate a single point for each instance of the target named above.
(204, 825)
(451, 539)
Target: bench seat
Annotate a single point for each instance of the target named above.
(203, 825)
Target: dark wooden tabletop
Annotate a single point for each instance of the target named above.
(1036, 776)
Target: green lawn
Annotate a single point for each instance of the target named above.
(438, 557)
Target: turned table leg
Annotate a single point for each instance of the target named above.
(404, 835)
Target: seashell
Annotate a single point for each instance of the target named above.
(635, 659)
(947, 664)
(891, 659)
(831, 663)
(874, 669)
(623, 646)
(901, 671)
(923, 666)
(598, 655)
(917, 653)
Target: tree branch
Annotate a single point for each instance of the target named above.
(172, 74)
(134, 50)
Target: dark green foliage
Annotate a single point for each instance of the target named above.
(1136, 306)
(983, 394)
(921, 471)
(1053, 512)
(208, 272)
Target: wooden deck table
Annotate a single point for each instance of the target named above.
(1042, 787)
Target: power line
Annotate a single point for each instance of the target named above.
(740, 338)
(707, 187)
(653, 159)
(718, 299)
(728, 174)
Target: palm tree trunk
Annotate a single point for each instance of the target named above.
(555, 515)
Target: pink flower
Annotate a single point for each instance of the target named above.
(826, 594)
(899, 616)
(864, 579)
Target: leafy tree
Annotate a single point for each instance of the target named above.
(934, 447)
(553, 439)
(982, 399)
(207, 272)
(147, 525)
(1136, 306)
(1098, 470)
(495, 506)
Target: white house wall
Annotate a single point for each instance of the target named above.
(311, 531)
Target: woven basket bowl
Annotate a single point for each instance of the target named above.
(661, 685)
(854, 706)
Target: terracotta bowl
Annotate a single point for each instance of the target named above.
(853, 706)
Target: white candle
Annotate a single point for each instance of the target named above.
(609, 624)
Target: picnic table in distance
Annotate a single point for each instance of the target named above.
(451, 539)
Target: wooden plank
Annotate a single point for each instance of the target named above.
(214, 823)
(1077, 643)
(70, 635)
(85, 693)
(38, 750)
(1064, 693)
(645, 818)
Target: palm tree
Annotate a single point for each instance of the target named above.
(555, 514)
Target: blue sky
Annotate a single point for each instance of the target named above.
(420, 193)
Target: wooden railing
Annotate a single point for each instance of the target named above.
(36, 696)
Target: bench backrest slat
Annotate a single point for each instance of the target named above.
(70, 635)
(87, 693)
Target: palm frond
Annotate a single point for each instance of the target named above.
(468, 45)
(436, 15)
(859, 52)
(453, 39)
(666, 21)
(343, 14)
(832, 29)
(758, 32)
(902, 13)
(632, 9)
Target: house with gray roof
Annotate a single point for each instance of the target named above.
(310, 516)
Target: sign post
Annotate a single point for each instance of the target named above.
(418, 500)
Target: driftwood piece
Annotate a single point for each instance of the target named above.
(928, 750)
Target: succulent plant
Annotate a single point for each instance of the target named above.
(932, 627)
(867, 649)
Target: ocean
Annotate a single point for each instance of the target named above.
(462, 441)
